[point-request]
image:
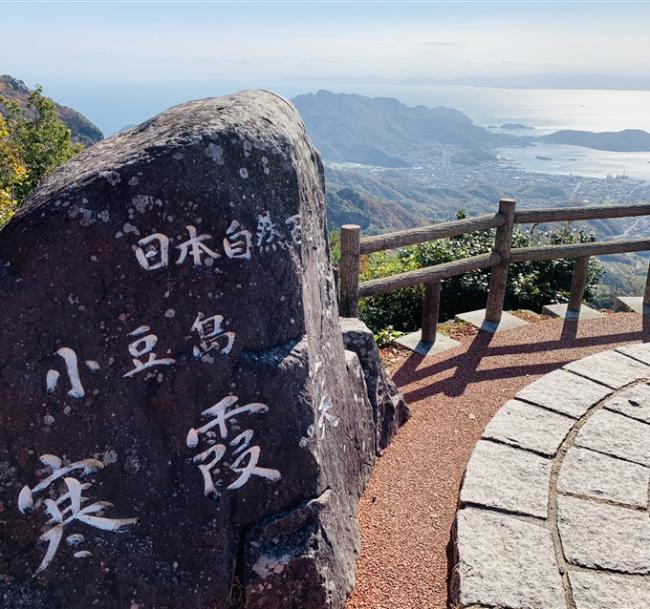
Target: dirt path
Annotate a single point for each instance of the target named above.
(408, 508)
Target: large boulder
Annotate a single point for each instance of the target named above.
(180, 424)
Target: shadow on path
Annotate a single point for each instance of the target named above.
(466, 364)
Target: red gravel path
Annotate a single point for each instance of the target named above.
(408, 508)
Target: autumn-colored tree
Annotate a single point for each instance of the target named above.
(12, 173)
(33, 142)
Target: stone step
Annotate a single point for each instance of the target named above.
(477, 319)
(629, 303)
(560, 310)
(414, 342)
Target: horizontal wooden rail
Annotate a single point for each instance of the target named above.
(568, 214)
(578, 250)
(502, 255)
(428, 274)
(430, 232)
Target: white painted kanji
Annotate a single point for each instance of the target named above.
(247, 456)
(268, 237)
(72, 368)
(144, 345)
(196, 248)
(238, 241)
(325, 403)
(212, 335)
(295, 229)
(68, 507)
(153, 252)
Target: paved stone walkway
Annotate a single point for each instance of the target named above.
(553, 510)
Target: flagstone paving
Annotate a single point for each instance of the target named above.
(553, 511)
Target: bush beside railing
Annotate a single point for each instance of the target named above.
(353, 246)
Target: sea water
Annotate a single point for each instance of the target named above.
(115, 105)
(546, 111)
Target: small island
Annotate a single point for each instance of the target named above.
(516, 126)
(628, 140)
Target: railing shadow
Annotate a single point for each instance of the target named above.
(464, 366)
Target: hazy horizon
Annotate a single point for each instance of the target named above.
(152, 42)
(120, 61)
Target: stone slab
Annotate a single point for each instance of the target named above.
(601, 536)
(565, 393)
(529, 427)
(477, 319)
(592, 474)
(640, 351)
(633, 401)
(414, 342)
(593, 590)
(560, 310)
(508, 479)
(504, 562)
(616, 435)
(610, 368)
(629, 303)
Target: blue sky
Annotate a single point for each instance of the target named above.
(78, 48)
(156, 41)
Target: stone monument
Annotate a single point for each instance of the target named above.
(180, 424)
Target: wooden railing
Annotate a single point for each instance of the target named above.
(353, 247)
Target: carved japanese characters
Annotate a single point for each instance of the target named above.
(172, 374)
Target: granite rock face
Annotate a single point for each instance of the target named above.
(180, 424)
(390, 409)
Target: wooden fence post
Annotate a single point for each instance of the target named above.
(499, 274)
(430, 310)
(349, 270)
(578, 283)
(646, 293)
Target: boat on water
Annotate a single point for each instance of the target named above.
(543, 158)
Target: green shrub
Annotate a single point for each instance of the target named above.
(530, 284)
(387, 336)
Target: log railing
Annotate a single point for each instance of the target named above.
(353, 246)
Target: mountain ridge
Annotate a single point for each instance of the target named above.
(348, 127)
(83, 130)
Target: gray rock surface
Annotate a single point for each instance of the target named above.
(640, 351)
(633, 401)
(388, 405)
(602, 536)
(614, 434)
(610, 368)
(564, 392)
(606, 591)
(584, 472)
(505, 562)
(529, 427)
(174, 388)
(508, 479)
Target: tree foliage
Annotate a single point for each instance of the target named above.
(33, 142)
(530, 284)
(12, 173)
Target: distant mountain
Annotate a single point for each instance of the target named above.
(629, 140)
(614, 82)
(83, 131)
(382, 130)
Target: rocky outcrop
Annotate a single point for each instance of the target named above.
(181, 425)
(388, 406)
